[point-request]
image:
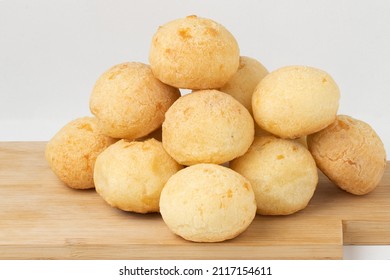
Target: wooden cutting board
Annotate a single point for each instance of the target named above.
(41, 218)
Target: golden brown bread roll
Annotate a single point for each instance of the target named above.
(72, 152)
(350, 153)
(129, 101)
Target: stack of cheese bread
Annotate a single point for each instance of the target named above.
(243, 142)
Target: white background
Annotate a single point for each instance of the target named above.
(52, 52)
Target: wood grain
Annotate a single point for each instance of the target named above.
(41, 218)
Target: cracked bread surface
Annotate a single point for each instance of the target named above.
(129, 101)
(72, 151)
(350, 153)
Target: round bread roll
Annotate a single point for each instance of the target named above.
(295, 101)
(207, 126)
(129, 101)
(130, 175)
(282, 172)
(72, 152)
(194, 53)
(350, 154)
(241, 86)
(207, 203)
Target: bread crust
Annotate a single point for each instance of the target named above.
(282, 172)
(129, 101)
(241, 86)
(207, 203)
(350, 153)
(130, 175)
(207, 126)
(194, 53)
(72, 152)
(295, 101)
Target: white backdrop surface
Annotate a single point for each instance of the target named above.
(52, 52)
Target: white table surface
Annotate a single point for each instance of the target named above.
(52, 52)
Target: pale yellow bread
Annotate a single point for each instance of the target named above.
(295, 101)
(129, 101)
(282, 172)
(207, 203)
(350, 153)
(130, 175)
(194, 53)
(207, 126)
(72, 151)
(241, 86)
